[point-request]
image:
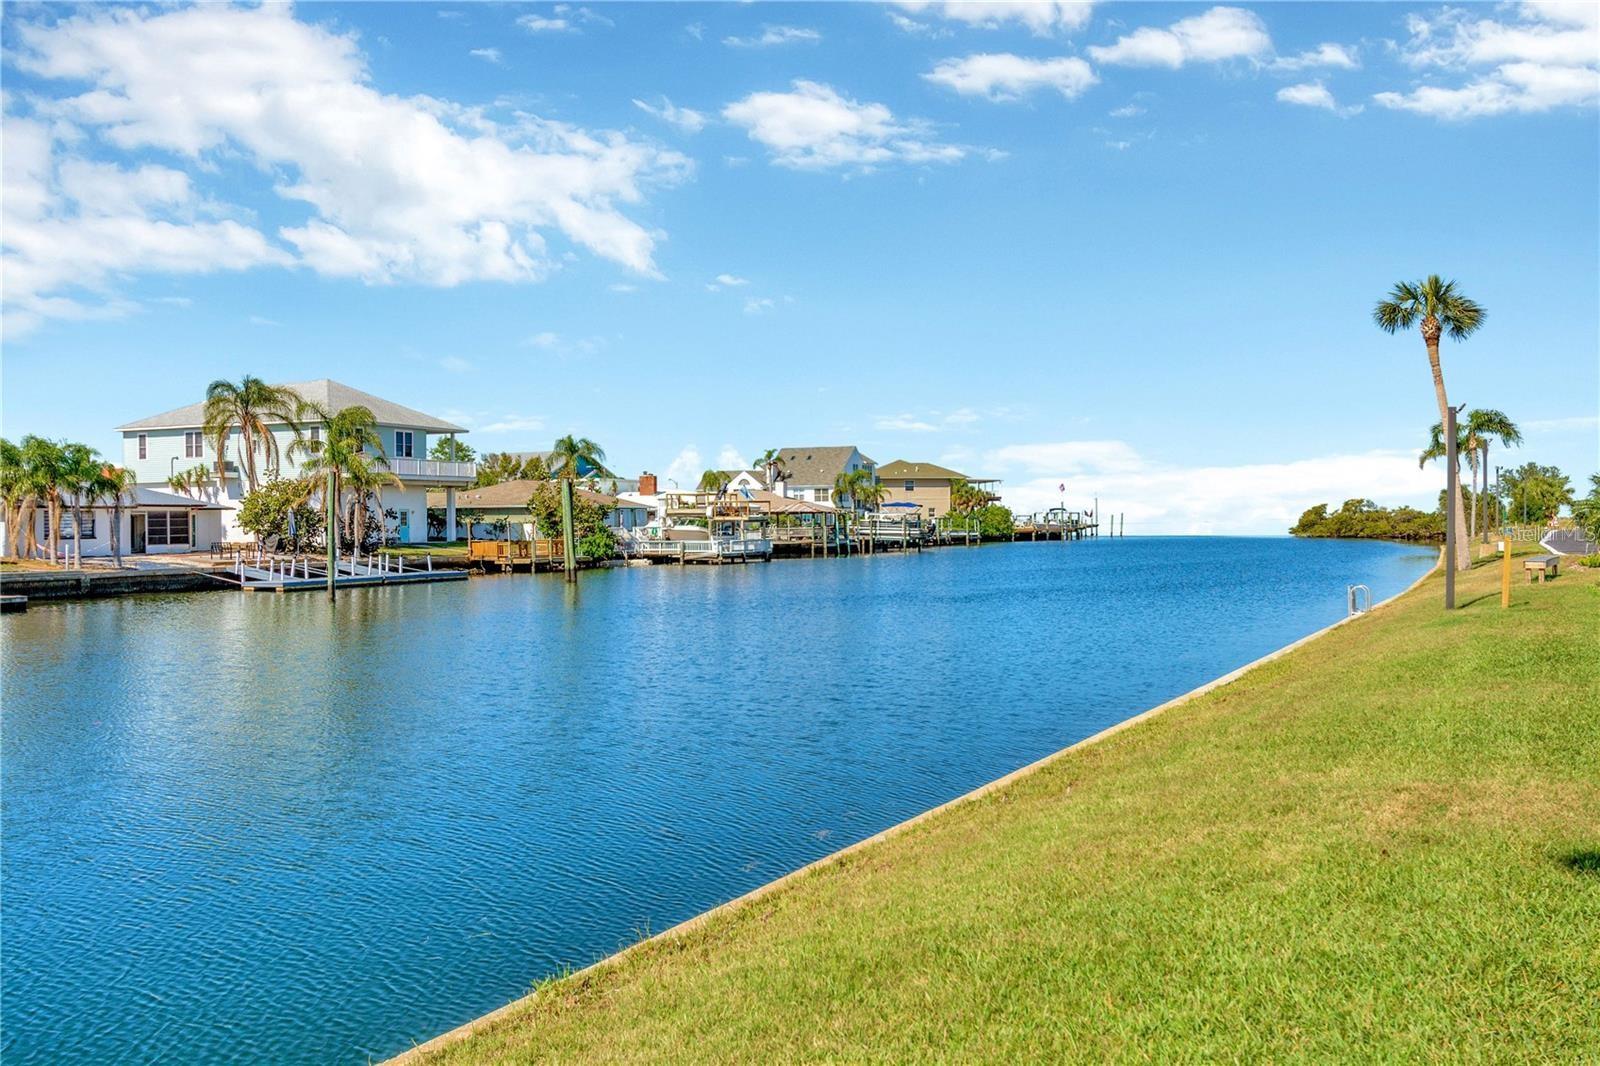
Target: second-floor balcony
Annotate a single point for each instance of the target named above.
(426, 472)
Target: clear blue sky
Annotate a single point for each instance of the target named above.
(1133, 248)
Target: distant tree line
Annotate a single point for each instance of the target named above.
(1365, 520)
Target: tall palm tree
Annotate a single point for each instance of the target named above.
(13, 494)
(714, 480)
(45, 466)
(115, 487)
(570, 454)
(80, 474)
(349, 448)
(1440, 308)
(1485, 426)
(252, 407)
(860, 487)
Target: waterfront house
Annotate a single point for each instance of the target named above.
(162, 446)
(501, 511)
(809, 473)
(927, 485)
(151, 521)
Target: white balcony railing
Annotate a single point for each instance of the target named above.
(432, 471)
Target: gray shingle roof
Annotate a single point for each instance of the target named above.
(333, 395)
(816, 466)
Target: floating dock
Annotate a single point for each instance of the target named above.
(305, 574)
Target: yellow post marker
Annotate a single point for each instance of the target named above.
(1505, 570)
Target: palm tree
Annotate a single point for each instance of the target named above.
(1464, 447)
(860, 487)
(46, 468)
(714, 481)
(350, 449)
(1441, 309)
(1483, 427)
(13, 494)
(367, 480)
(115, 486)
(571, 453)
(771, 464)
(80, 473)
(252, 406)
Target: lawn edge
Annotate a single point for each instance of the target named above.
(465, 1030)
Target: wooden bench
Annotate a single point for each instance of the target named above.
(1542, 565)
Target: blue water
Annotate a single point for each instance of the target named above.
(254, 827)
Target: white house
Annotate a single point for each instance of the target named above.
(162, 446)
(809, 473)
(151, 522)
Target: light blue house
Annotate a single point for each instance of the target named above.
(162, 446)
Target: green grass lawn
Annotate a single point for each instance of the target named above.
(1383, 846)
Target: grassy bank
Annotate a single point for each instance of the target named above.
(1384, 845)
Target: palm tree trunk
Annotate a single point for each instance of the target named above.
(28, 547)
(1472, 467)
(55, 528)
(1484, 495)
(1456, 511)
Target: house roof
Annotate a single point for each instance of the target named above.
(816, 466)
(139, 496)
(900, 469)
(788, 504)
(513, 495)
(333, 395)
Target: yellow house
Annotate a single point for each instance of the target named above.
(928, 485)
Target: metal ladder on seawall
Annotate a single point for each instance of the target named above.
(1358, 599)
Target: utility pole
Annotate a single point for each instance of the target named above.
(1452, 486)
(332, 535)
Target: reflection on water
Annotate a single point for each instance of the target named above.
(260, 827)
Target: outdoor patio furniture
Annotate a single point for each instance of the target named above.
(1542, 565)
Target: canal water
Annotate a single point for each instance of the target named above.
(254, 827)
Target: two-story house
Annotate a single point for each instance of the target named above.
(809, 473)
(162, 446)
(928, 485)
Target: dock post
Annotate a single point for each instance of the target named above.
(332, 535)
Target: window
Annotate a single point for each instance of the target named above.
(402, 443)
(911, 486)
(194, 445)
(166, 528)
(316, 434)
(69, 527)
(144, 446)
(820, 495)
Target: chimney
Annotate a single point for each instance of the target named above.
(647, 484)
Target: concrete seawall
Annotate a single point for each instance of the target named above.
(73, 585)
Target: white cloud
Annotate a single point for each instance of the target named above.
(814, 127)
(1210, 37)
(730, 458)
(410, 189)
(909, 423)
(1041, 17)
(904, 424)
(685, 468)
(545, 24)
(1127, 111)
(1547, 57)
(1326, 55)
(513, 424)
(545, 339)
(622, 286)
(730, 281)
(758, 305)
(1168, 498)
(489, 55)
(775, 35)
(175, 301)
(1314, 94)
(686, 119)
(1003, 76)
